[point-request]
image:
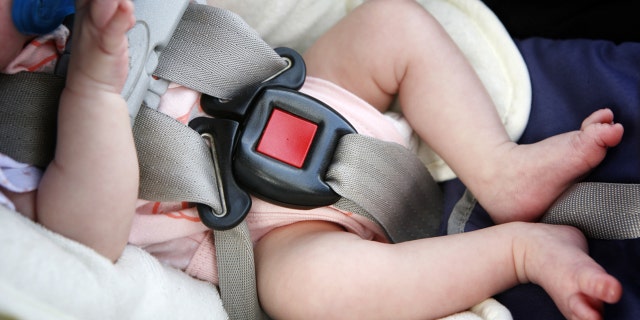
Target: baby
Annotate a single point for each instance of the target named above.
(382, 49)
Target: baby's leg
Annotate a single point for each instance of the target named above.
(315, 270)
(89, 190)
(384, 48)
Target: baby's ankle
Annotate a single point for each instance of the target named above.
(506, 187)
(537, 245)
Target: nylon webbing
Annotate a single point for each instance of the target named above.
(236, 270)
(175, 163)
(461, 213)
(29, 103)
(214, 51)
(388, 182)
(608, 211)
(601, 210)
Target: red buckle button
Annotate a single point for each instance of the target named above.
(287, 138)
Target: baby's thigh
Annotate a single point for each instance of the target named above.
(369, 50)
(294, 267)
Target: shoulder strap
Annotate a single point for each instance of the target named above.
(208, 49)
(388, 183)
(215, 52)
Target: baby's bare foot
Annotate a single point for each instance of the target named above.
(100, 57)
(555, 258)
(531, 177)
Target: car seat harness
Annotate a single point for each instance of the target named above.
(263, 137)
(282, 143)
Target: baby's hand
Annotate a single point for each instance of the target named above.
(100, 48)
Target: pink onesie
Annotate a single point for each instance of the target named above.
(172, 232)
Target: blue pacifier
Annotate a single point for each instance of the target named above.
(38, 17)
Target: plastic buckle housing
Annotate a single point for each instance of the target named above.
(282, 146)
(220, 134)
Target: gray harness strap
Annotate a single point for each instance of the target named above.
(215, 52)
(387, 182)
(175, 165)
(461, 213)
(236, 271)
(601, 210)
(608, 211)
(28, 122)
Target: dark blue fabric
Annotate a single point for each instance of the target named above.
(571, 79)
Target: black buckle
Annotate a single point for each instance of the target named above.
(274, 142)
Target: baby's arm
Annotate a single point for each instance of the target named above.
(88, 192)
(315, 270)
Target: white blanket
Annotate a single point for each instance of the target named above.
(46, 276)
